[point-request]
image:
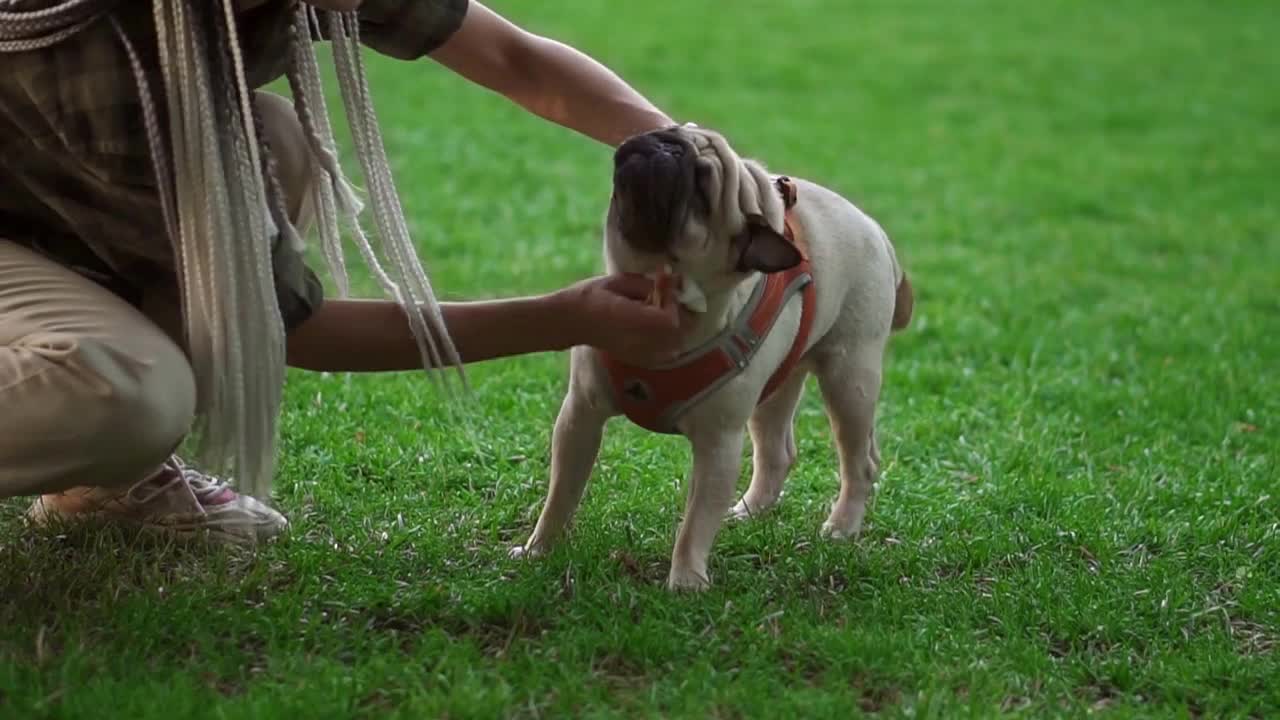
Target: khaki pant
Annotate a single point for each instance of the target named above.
(92, 391)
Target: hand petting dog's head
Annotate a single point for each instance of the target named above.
(682, 196)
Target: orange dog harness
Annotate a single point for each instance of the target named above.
(656, 398)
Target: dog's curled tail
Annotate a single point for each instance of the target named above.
(903, 301)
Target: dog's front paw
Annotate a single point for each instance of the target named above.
(687, 580)
(845, 520)
(837, 532)
(526, 552)
(843, 524)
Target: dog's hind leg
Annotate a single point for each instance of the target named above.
(773, 447)
(850, 385)
(575, 445)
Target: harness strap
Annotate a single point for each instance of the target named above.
(808, 304)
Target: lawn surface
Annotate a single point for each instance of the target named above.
(1078, 510)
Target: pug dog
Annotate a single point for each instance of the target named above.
(731, 232)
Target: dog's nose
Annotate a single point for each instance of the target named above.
(648, 145)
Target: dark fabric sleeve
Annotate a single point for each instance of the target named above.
(299, 291)
(409, 29)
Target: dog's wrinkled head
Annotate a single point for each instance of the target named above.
(681, 195)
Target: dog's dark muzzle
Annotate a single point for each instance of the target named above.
(653, 180)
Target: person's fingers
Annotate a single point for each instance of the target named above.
(663, 288)
(643, 327)
(675, 282)
(640, 319)
(674, 311)
(652, 320)
(650, 334)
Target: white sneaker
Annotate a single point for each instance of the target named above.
(177, 500)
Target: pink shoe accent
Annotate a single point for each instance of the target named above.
(222, 497)
(176, 500)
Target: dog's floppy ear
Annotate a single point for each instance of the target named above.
(760, 248)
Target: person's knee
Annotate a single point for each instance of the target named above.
(150, 408)
(295, 166)
(108, 417)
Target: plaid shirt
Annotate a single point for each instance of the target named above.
(76, 180)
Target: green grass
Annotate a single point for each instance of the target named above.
(1080, 430)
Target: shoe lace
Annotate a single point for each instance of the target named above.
(202, 485)
(175, 473)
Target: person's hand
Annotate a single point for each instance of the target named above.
(614, 314)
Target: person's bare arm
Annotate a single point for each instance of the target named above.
(607, 312)
(564, 86)
(548, 78)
